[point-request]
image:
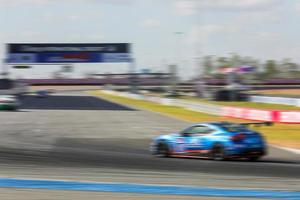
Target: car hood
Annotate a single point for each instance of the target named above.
(167, 136)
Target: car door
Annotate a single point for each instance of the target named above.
(183, 141)
(195, 139)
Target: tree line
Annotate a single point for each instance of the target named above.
(284, 68)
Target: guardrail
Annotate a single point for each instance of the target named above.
(276, 100)
(226, 111)
(199, 107)
(263, 115)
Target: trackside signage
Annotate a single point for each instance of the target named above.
(289, 117)
(245, 113)
(68, 53)
(262, 115)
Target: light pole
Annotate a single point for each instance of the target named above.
(133, 76)
(174, 68)
(178, 47)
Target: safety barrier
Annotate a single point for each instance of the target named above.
(199, 107)
(245, 113)
(262, 115)
(288, 117)
(275, 100)
(226, 111)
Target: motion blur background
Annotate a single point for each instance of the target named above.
(190, 33)
(188, 61)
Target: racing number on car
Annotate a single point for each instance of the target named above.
(180, 146)
(194, 141)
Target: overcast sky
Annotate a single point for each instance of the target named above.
(259, 28)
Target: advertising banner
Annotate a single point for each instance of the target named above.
(262, 115)
(68, 53)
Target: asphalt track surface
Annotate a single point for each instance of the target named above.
(75, 136)
(112, 136)
(69, 102)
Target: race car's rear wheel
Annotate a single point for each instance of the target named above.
(162, 150)
(218, 153)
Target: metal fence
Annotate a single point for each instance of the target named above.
(276, 100)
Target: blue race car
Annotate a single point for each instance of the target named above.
(215, 140)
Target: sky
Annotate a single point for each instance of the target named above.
(263, 29)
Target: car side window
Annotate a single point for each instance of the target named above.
(197, 130)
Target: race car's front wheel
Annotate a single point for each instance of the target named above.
(162, 150)
(218, 153)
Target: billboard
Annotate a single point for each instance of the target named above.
(39, 53)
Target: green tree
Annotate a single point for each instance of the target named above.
(289, 68)
(234, 60)
(293, 68)
(208, 65)
(271, 69)
(222, 62)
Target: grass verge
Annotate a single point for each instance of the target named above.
(286, 135)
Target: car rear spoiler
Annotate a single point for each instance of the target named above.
(258, 124)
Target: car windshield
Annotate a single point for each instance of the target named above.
(234, 127)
